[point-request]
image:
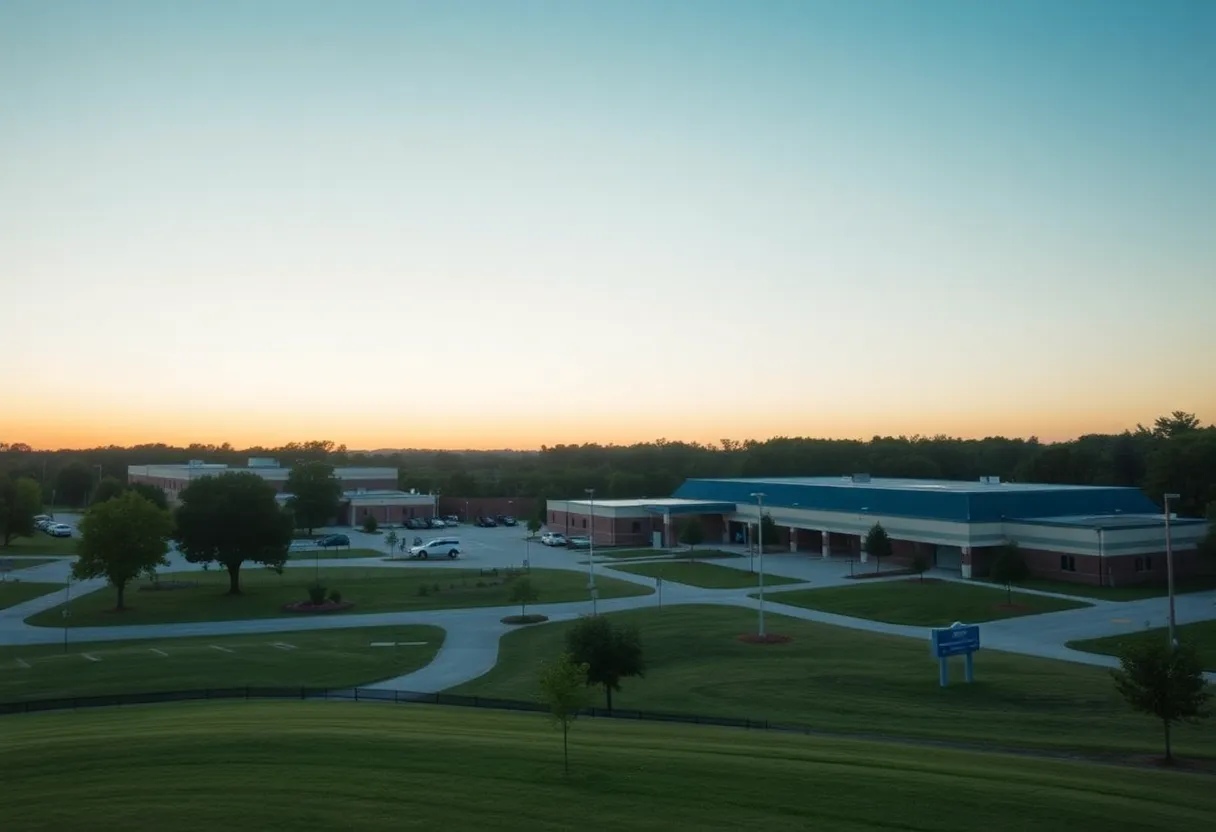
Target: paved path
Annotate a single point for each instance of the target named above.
(470, 647)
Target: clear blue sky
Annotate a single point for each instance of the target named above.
(505, 224)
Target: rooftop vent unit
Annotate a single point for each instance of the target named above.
(860, 478)
(195, 463)
(263, 462)
(990, 480)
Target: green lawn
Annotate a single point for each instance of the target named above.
(335, 554)
(1202, 634)
(1120, 593)
(14, 592)
(40, 545)
(23, 563)
(317, 658)
(836, 679)
(700, 574)
(371, 589)
(929, 604)
(699, 554)
(335, 765)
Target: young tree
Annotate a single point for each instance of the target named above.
(692, 534)
(121, 539)
(533, 527)
(154, 494)
(1008, 568)
(1163, 682)
(370, 524)
(315, 494)
(390, 540)
(920, 562)
(232, 518)
(772, 534)
(108, 489)
(878, 544)
(563, 687)
(610, 653)
(20, 500)
(523, 592)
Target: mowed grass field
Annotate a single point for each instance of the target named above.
(314, 658)
(14, 592)
(330, 765)
(837, 679)
(304, 556)
(707, 575)
(370, 589)
(23, 563)
(1202, 634)
(40, 545)
(1120, 593)
(930, 603)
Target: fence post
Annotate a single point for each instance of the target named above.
(356, 694)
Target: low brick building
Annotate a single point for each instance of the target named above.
(1092, 534)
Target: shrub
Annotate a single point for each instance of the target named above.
(335, 596)
(424, 590)
(435, 589)
(481, 584)
(369, 524)
(316, 593)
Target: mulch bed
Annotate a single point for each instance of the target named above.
(166, 586)
(525, 619)
(310, 607)
(769, 638)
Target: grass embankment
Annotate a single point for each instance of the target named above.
(1202, 634)
(370, 589)
(15, 592)
(23, 563)
(836, 679)
(40, 545)
(930, 603)
(1120, 593)
(705, 575)
(318, 765)
(314, 658)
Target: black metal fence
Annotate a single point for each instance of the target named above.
(369, 695)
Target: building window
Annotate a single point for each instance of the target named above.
(584, 522)
(1144, 564)
(1068, 563)
(637, 527)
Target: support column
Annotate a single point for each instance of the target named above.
(826, 545)
(667, 541)
(861, 547)
(967, 562)
(793, 539)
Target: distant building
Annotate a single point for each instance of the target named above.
(1090, 534)
(366, 491)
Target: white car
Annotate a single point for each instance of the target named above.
(437, 523)
(59, 530)
(553, 539)
(438, 547)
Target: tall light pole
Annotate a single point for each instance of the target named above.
(1169, 562)
(759, 495)
(591, 549)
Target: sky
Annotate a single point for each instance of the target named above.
(507, 224)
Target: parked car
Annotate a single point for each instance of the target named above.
(486, 522)
(301, 545)
(451, 519)
(579, 543)
(438, 547)
(41, 525)
(553, 539)
(331, 541)
(59, 530)
(42, 518)
(412, 523)
(508, 520)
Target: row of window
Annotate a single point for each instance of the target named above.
(636, 527)
(1068, 563)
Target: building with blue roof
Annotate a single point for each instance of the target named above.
(1095, 534)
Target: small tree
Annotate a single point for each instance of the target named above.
(692, 535)
(315, 494)
(390, 540)
(563, 688)
(920, 562)
(533, 527)
(1008, 567)
(121, 539)
(370, 524)
(1165, 682)
(523, 592)
(878, 544)
(771, 533)
(610, 653)
(20, 500)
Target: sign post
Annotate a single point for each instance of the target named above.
(956, 640)
(658, 583)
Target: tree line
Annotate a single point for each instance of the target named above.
(1177, 453)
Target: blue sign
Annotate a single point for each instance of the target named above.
(955, 640)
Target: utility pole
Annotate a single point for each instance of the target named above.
(1169, 564)
(759, 495)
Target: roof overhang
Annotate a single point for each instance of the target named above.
(706, 507)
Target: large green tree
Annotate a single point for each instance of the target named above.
(20, 501)
(315, 494)
(611, 652)
(120, 538)
(1165, 682)
(73, 484)
(230, 519)
(108, 489)
(154, 494)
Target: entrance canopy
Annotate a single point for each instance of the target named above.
(673, 506)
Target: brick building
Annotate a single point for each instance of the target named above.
(365, 491)
(1091, 534)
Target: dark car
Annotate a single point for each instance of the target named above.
(486, 522)
(412, 523)
(331, 541)
(508, 520)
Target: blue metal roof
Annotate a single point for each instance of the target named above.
(947, 500)
(1113, 521)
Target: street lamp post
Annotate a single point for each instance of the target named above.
(1169, 563)
(591, 550)
(759, 495)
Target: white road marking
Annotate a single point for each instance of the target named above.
(157, 652)
(90, 657)
(221, 649)
(282, 645)
(23, 663)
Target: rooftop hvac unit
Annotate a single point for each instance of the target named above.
(861, 478)
(195, 463)
(990, 480)
(263, 462)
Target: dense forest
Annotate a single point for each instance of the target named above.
(1177, 453)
